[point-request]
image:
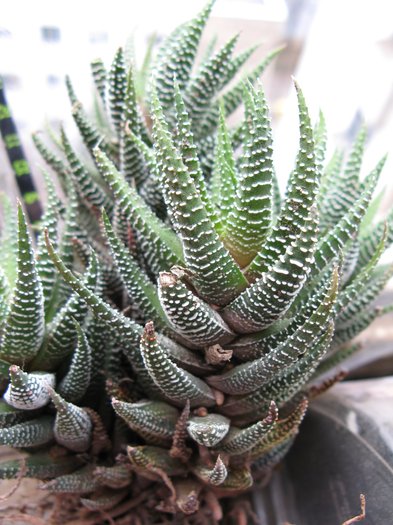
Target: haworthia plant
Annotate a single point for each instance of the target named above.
(165, 329)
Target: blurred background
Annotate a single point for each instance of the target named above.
(341, 52)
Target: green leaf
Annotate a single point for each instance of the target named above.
(10, 416)
(92, 137)
(233, 97)
(351, 294)
(72, 230)
(40, 465)
(154, 421)
(103, 500)
(132, 161)
(146, 460)
(343, 231)
(301, 195)
(237, 480)
(79, 482)
(208, 430)
(320, 136)
(75, 383)
(90, 192)
(372, 211)
(118, 476)
(141, 77)
(29, 433)
(8, 241)
(70, 90)
(28, 391)
(264, 465)
(241, 440)
(329, 175)
(157, 242)
(150, 189)
(50, 220)
(344, 187)
(224, 176)
(4, 298)
(184, 142)
(126, 331)
(215, 275)
(61, 331)
(24, 327)
(356, 324)
(336, 357)
(238, 61)
(73, 426)
(281, 388)
(268, 299)
(207, 81)
(99, 77)
(176, 57)
(117, 80)
(59, 167)
(370, 239)
(281, 432)
(212, 476)
(175, 383)
(139, 287)
(188, 315)
(250, 376)
(249, 220)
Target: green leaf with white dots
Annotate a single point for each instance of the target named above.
(132, 161)
(139, 287)
(158, 243)
(249, 220)
(73, 426)
(281, 432)
(176, 57)
(282, 387)
(99, 75)
(344, 187)
(79, 482)
(24, 327)
(8, 241)
(188, 315)
(40, 465)
(90, 192)
(28, 391)
(211, 76)
(29, 433)
(50, 220)
(251, 376)
(301, 195)
(224, 176)
(75, 383)
(154, 421)
(175, 383)
(268, 298)
(241, 440)
(343, 232)
(215, 275)
(117, 79)
(208, 430)
(61, 332)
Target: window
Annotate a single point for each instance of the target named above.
(50, 34)
(52, 80)
(4, 33)
(11, 81)
(98, 37)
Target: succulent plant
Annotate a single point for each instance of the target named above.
(216, 306)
